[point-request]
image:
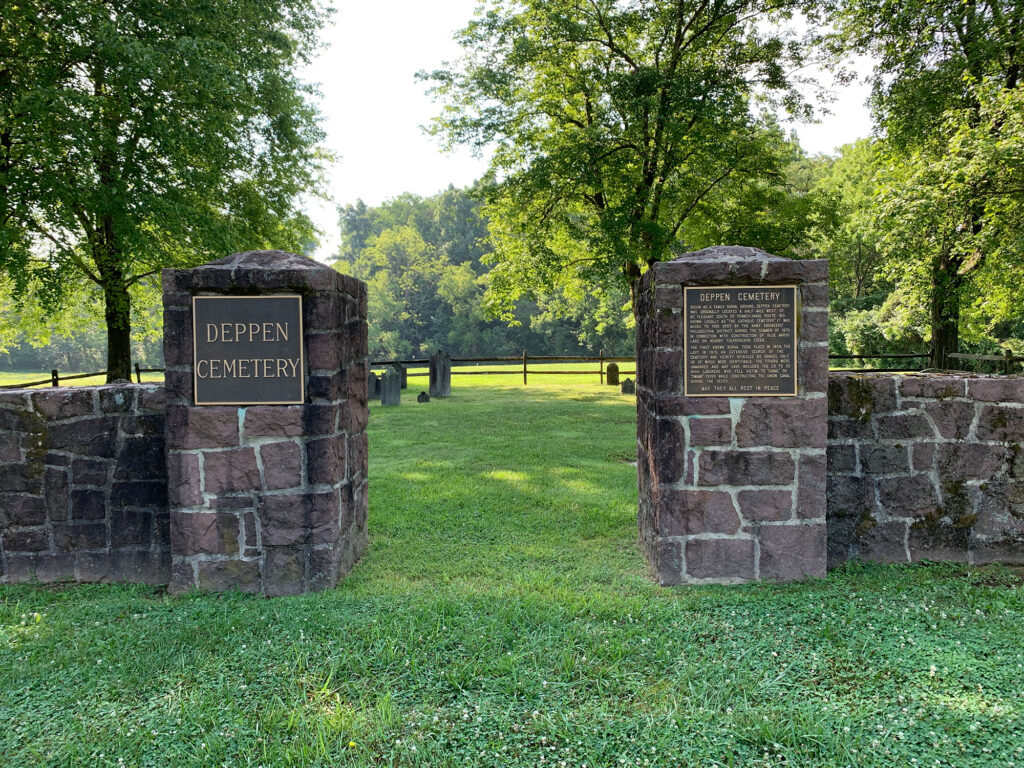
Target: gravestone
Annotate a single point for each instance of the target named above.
(440, 374)
(628, 387)
(403, 374)
(732, 373)
(422, 397)
(373, 386)
(613, 374)
(266, 448)
(391, 387)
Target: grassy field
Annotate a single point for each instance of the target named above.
(8, 378)
(502, 616)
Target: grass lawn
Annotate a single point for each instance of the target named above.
(502, 617)
(8, 378)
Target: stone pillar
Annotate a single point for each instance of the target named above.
(732, 486)
(613, 375)
(266, 498)
(440, 375)
(373, 386)
(391, 387)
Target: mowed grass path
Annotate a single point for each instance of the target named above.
(502, 617)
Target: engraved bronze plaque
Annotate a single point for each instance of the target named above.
(248, 350)
(739, 341)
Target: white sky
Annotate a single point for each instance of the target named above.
(373, 106)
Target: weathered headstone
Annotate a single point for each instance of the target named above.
(266, 448)
(422, 397)
(440, 374)
(612, 372)
(391, 387)
(372, 386)
(403, 374)
(627, 387)
(732, 372)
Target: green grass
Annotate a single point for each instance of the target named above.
(502, 616)
(8, 378)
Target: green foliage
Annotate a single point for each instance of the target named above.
(135, 136)
(615, 127)
(502, 616)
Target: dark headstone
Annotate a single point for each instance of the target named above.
(423, 397)
(613, 375)
(628, 387)
(391, 387)
(440, 375)
(403, 373)
(373, 386)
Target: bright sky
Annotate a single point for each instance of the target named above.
(373, 106)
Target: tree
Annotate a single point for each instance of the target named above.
(135, 136)
(947, 99)
(612, 125)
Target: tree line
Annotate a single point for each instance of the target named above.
(620, 134)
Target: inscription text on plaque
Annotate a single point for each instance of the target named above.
(739, 341)
(248, 350)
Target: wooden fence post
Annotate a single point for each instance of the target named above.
(138, 373)
(524, 367)
(54, 378)
(1008, 363)
(600, 369)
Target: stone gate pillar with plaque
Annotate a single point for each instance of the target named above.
(732, 376)
(266, 356)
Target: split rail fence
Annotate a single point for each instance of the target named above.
(1004, 364)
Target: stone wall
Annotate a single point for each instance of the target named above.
(925, 467)
(83, 485)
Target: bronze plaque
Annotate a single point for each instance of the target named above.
(739, 341)
(248, 350)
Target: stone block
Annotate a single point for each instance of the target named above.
(667, 451)
(439, 373)
(284, 520)
(884, 459)
(94, 567)
(130, 528)
(88, 505)
(141, 567)
(230, 471)
(324, 568)
(326, 460)
(321, 419)
(211, 426)
(282, 465)
(55, 567)
(922, 456)
(842, 533)
(691, 406)
(812, 370)
(324, 312)
(911, 496)
(71, 537)
(274, 421)
(850, 496)
(204, 533)
(952, 418)
(970, 461)
(65, 403)
(800, 270)
(666, 561)
(685, 513)
(150, 493)
(358, 455)
(327, 518)
(935, 386)
(782, 423)
(842, 428)
(841, 458)
(904, 426)
(884, 542)
(23, 478)
(667, 369)
(668, 296)
(324, 351)
(814, 295)
(118, 398)
(284, 572)
(793, 552)
(26, 540)
(57, 494)
(1001, 424)
(22, 510)
(710, 431)
(814, 327)
(941, 539)
(140, 458)
(95, 436)
(860, 396)
(223, 575)
(89, 471)
(762, 506)
(811, 486)
(183, 480)
(720, 559)
(745, 468)
(153, 399)
(998, 389)
(668, 328)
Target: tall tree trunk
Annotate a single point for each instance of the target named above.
(117, 303)
(945, 301)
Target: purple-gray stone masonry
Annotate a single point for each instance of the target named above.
(269, 498)
(732, 489)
